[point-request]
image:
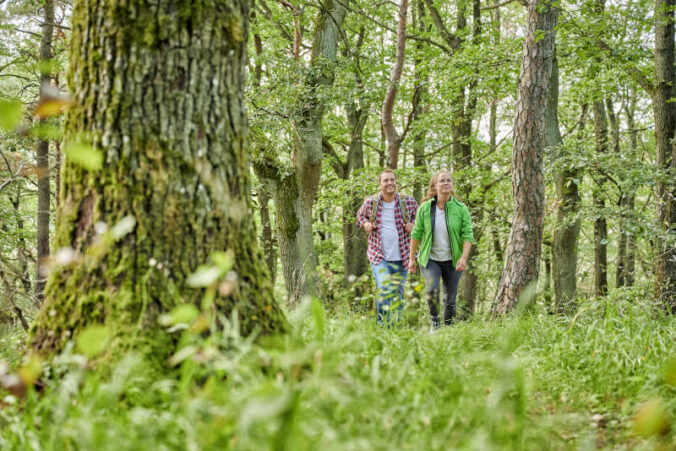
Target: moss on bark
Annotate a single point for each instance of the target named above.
(166, 111)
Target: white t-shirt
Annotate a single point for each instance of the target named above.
(441, 246)
(389, 235)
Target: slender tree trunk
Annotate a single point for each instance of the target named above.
(393, 137)
(465, 110)
(564, 239)
(630, 260)
(267, 238)
(620, 271)
(600, 223)
(665, 132)
(528, 191)
(175, 180)
(42, 167)
(567, 230)
(420, 105)
(355, 242)
(296, 246)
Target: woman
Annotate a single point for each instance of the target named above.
(443, 229)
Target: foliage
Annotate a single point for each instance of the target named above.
(532, 381)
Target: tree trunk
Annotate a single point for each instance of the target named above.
(665, 131)
(630, 259)
(393, 137)
(566, 231)
(600, 224)
(42, 166)
(267, 238)
(528, 190)
(419, 105)
(165, 106)
(295, 194)
(620, 271)
(355, 242)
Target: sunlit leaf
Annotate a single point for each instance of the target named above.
(30, 371)
(51, 107)
(224, 260)
(93, 341)
(52, 102)
(10, 114)
(205, 276)
(84, 155)
(46, 131)
(123, 227)
(181, 314)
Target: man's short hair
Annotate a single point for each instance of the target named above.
(386, 171)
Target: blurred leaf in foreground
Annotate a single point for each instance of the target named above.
(652, 418)
(10, 114)
(52, 102)
(84, 155)
(93, 340)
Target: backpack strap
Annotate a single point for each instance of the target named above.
(403, 209)
(374, 208)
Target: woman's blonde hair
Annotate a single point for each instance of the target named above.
(432, 188)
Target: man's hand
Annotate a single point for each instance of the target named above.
(412, 266)
(368, 227)
(408, 227)
(462, 264)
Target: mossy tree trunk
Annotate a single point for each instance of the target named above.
(567, 229)
(665, 133)
(157, 88)
(295, 193)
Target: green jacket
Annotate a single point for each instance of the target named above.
(458, 224)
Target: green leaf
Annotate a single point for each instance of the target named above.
(10, 114)
(224, 260)
(84, 155)
(93, 341)
(205, 276)
(318, 316)
(46, 132)
(181, 314)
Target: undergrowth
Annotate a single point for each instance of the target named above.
(337, 381)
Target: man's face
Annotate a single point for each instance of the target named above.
(388, 183)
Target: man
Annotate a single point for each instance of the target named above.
(388, 219)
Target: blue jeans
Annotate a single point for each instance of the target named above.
(390, 279)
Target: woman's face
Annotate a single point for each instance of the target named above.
(444, 183)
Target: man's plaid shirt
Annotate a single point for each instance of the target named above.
(375, 250)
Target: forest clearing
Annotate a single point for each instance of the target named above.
(337, 224)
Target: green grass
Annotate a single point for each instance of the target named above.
(530, 381)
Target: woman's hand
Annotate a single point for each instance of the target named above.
(408, 227)
(368, 227)
(462, 264)
(412, 265)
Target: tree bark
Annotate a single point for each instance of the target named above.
(296, 246)
(393, 137)
(566, 231)
(355, 242)
(630, 260)
(42, 166)
(665, 131)
(528, 191)
(600, 223)
(159, 91)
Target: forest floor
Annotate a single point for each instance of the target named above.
(603, 379)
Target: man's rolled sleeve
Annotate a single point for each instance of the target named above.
(364, 213)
